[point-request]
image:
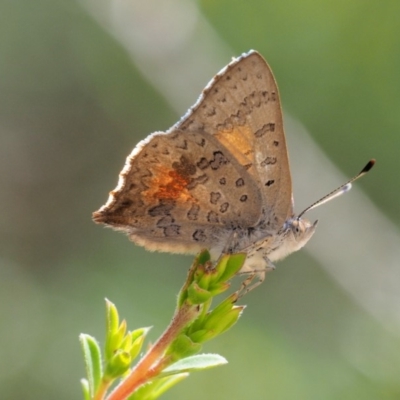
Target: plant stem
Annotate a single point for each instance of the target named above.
(146, 368)
(101, 391)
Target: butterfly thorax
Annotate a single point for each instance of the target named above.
(270, 247)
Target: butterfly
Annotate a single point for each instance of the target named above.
(219, 178)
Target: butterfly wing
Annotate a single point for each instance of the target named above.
(240, 107)
(223, 166)
(181, 193)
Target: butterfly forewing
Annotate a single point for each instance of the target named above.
(241, 108)
(222, 167)
(179, 189)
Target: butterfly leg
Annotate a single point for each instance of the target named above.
(248, 284)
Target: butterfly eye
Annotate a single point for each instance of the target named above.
(296, 226)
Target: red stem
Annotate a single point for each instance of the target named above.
(145, 368)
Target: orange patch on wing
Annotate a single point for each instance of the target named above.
(239, 141)
(169, 184)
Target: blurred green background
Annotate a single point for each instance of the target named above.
(82, 82)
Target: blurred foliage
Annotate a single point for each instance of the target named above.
(73, 105)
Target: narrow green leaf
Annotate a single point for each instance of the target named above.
(120, 333)
(199, 321)
(93, 363)
(203, 257)
(112, 326)
(137, 337)
(197, 362)
(118, 365)
(114, 340)
(203, 279)
(182, 296)
(234, 264)
(126, 343)
(182, 346)
(216, 326)
(163, 384)
(219, 288)
(199, 336)
(197, 295)
(216, 322)
(228, 320)
(139, 332)
(220, 267)
(85, 389)
(224, 307)
(112, 317)
(156, 388)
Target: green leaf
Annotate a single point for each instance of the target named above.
(203, 279)
(199, 335)
(113, 330)
(217, 325)
(156, 388)
(182, 346)
(126, 343)
(203, 257)
(220, 267)
(196, 271)
(137, 337)
(118, 365)
(85, 389)
(197, 295)
(112, 318)
(92, 356)
(120, 333)
(224, 307)
(141, 332)
(197, 362)
(219, 288)
(234, 264)
(218, 319)
(229, 319)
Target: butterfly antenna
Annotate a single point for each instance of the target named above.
(340, 190)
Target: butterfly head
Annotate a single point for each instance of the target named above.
(295, 234)
(299, 232)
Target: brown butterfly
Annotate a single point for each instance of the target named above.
(219, 178)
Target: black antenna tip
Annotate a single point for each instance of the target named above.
(370, 164)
